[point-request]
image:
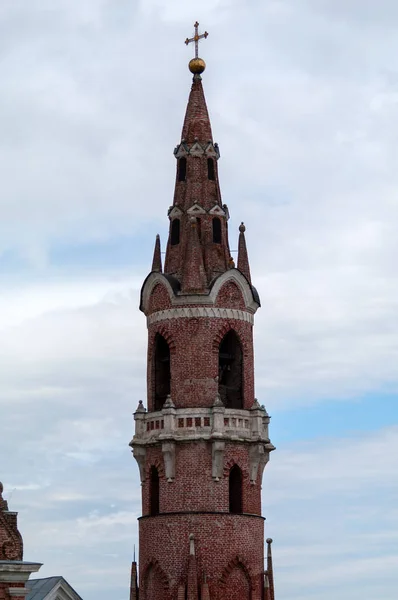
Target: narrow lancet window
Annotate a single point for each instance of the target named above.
(175, 232)
(154, 492)
(182, 169)
(230, 371)
(162, 371)
(210, 169)
(216, 230)
(235, 490)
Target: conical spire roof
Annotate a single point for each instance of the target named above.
(157, 256)
(243, 258)
(196, 122)
(270, 570)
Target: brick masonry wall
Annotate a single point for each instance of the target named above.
(223, 543)
(194, 345)
(194, 488)
(4, 595)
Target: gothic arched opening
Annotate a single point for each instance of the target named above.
(154, 492)
(210, 169)
(175, 232)
(235, 490)
(162, 371)
(230, 371)
(216, 230)
(182, 169)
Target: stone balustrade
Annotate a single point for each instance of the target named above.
(201, 423)
(217, 424)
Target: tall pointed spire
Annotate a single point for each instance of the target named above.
(270, 570)
(243, 258)
(157, 256)
(197, 122)
(197, 190)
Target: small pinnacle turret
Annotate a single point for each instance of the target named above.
(270, 570)
(157, 256)
(243, 259)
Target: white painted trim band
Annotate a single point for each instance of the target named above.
(201, 312)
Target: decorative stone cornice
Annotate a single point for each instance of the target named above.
(217, 425)
(200, 311)
(178, 299)
(16, 571)
(197, 149)
(196, 209)
(190, 424)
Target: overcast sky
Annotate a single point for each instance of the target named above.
(303, 98)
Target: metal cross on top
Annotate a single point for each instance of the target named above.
(196, 38)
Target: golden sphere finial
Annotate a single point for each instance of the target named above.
(197, 66)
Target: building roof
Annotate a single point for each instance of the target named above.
(40, 589)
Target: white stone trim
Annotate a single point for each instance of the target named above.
(17, 571)
(63, 591)
(237, 277)
(180, 299)
(196, 209)
(217, 210)
(200, 311)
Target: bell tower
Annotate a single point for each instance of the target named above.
(203, 443)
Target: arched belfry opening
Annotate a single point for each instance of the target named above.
(154, 492)
(182, 169)
(162, 371)
(211, 174)
(175, 232)
(235, 490)
(230, 371)
(216, 225)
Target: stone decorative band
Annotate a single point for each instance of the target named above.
(204, 513)
(200, 311)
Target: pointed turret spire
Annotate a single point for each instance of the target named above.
(134, 580)
(270, 570)
(157, 256)
(267, 593)
(197, 190)
(243, 259)
(197, 122)
(194, 276)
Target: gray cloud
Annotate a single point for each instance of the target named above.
(303, 99)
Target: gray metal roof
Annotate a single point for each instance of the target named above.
(40, 588)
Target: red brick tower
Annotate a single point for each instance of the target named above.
(203, 443)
